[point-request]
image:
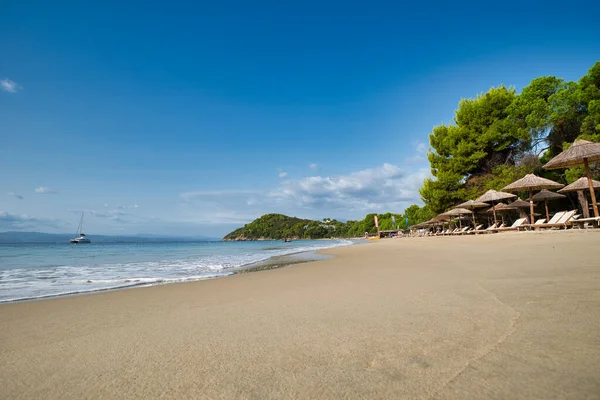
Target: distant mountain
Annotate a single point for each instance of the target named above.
(39, 237)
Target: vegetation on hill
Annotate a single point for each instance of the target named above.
(278, 226)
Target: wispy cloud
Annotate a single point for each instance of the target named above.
(419, 156)
(123, 207)
(380, 188)
(282, 173)
(18, 196)
(421, 147)
(9, 86)
(45, 190)
(23, 221)
(383, 188)
(214, 195)
(313, 166)
(107, 214)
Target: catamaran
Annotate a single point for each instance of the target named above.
(81, 239)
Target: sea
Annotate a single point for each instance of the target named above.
(34, 271)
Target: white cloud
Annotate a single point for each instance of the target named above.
(351, 196)
(108, 214)
(374, 189)
(282, 173)
(45, 190)
(124, 206)
(24, 221)
(18, 196)
(9, 86)
(421, 147)
(313, 166)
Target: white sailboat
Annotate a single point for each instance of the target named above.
(81, 239)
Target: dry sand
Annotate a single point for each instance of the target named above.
(505, 316)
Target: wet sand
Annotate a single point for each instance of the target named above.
(505, 316)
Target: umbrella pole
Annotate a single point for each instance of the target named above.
(494, 208)
(473, 218)
(547, 213)
(589, 178)
(531, 204)
(503, 219)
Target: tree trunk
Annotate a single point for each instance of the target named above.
(583, 203)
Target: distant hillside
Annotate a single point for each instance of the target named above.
(39, 237)
(278, 226)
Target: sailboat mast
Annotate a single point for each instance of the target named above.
(80, 229)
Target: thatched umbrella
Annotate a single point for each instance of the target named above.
(492, 196)
(546, 195)
(580, 152)
(472, 205)
(499, 207)
(457, 212)
(520, 205)
(579, 186)
(531, 182)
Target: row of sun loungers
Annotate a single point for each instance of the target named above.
(560, 220)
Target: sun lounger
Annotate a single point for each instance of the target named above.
(563, 221)
(553, 220)
(586, 222)
(515, 226)
(537, 223)
(492, 227)
(480, 229)
(461, 231)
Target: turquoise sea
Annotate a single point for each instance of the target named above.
(30, 271)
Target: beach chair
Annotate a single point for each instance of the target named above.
(537, 223)
(461, 231)
(581, 223)
(515, 226)
(480, 229)
(562, 222)
(553, 220)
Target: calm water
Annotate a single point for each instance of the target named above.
(30, 271)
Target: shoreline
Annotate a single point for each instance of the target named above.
(487, 316)
(272, 262)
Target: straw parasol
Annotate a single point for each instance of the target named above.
(499, 207)
(580, 152)
(546, 195)
(520, 205)
(457, 212)
(579, 184)
(531, 182)
(492, 196)
(472, 205)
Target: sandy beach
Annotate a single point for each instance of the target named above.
(505, 316)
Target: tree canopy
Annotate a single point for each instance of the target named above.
(499, 136)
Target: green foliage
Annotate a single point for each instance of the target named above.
(496, 135)
(278, 226)
(417, 214)
(500, 177)
(273, 226)
(483, 139)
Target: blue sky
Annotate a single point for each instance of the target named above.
(192, 118)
